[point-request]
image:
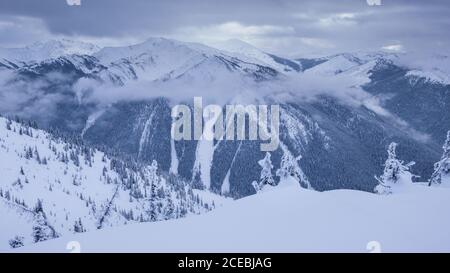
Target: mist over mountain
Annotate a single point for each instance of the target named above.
(224, 126)
(338, 113)
(104, 139)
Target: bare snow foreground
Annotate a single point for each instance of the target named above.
(288, 219)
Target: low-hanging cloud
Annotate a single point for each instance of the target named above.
(233, 88)
(31, 99)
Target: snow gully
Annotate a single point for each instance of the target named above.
(210, 123)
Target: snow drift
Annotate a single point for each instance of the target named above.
(289, 219)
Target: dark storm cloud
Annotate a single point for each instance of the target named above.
(121, 17)
(285, 27)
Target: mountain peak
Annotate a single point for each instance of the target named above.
(236, 46)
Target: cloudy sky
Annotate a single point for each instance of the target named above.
(291, 28)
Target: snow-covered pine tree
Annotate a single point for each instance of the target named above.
(78, 226)
(169, 209)
(41, 230)
(153, 211)
(442, 168)
(197, 182)
(16, 242)
(266, 177)
(36, 155)
(74, 158)
(289, 167)
(28, 153)
(38, 207)
(155, 183)
(153, 172)
(8, 125)
(393, 169)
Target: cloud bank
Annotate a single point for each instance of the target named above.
(290, 28)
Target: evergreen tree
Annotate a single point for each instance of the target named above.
(36, 155)
(38, 207)
(153, 211)
(170, 209)
(266, 177)
(41, 230)
(153, 201)
(8, 125)
(16, 242)
(76, 181)
(393, 169)
(78, 226)
(197, 182)
(442, 168)
(28, 153)
(154, 179)
(88, 156)
(7, 196)
(74, 158)
(289, 168)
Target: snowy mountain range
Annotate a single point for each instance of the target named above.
(121, 97)
(96, 106)
(41, 51)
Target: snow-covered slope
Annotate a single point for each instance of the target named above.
(162, 59)
(431, 67)
(243, 50)
(288, 219)
(70, 183)
(336, 64)
(435, 75)
(353, 64)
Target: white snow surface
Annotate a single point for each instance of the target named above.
(289, 219)
(432, 67)
(245, 51)
(435, 75)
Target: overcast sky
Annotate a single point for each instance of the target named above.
(285, 27)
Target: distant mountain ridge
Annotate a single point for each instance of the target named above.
(41, 51)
